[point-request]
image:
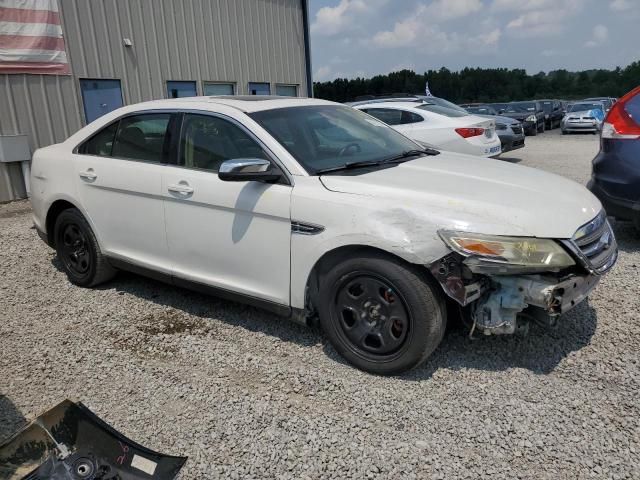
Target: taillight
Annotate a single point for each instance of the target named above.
(469, 132)
(618, 123)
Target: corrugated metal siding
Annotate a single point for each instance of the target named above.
(240, 41)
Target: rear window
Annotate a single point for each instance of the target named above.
(632, 107)
(394, 116)
(447, 112)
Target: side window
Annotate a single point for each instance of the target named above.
(387, 115)
(101, 143)
(207, 141)
(143, 137)
(410, 117)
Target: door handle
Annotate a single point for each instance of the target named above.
(88, 175)
(180, 188)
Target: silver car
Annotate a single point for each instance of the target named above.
(583, 117)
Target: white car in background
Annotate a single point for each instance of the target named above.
(438, 126)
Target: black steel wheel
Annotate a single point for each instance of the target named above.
(78, 250)
(74, 250)
(372, 315)
(383, 315)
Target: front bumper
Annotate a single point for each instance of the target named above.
(580, 127)
(511, 142)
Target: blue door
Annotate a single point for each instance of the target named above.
(100, 97)
(181, 89)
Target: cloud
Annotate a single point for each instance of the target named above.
(322, 73)
(421, 28)
(333, 20)
(600, 36)
(621, 5)
(440, 10)
(550, 20)
(521, 5)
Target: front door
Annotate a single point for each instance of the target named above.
(119, 177)
(230, 235)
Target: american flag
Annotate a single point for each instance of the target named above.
(31, 38)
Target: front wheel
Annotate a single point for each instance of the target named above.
(382, 315)
(78, 250)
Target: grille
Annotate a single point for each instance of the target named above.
(517, 129)
(595, 245)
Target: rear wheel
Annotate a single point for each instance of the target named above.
(382, 315)
(78, 250)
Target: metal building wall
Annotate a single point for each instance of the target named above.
(238, 41)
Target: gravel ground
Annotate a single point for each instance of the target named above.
(247, 395)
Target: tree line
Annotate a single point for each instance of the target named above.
(487, 84)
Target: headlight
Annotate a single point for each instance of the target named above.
(523, 253)
(501, 126)
(531, 118)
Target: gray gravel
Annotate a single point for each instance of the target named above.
(247, 395)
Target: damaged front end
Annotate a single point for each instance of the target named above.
(69, 442)
(504, 282)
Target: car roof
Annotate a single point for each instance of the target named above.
(244, 103)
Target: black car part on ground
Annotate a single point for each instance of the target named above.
(69, 442)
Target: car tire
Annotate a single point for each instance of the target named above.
(542, 128)
(382, 315)
(79, 252)
(534, 131)
(564, 132)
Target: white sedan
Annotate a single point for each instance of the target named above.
(317, 211)
(438, 126)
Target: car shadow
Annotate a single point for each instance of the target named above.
(11, 419)
(627, 236)
(510, 159)
(540, 351)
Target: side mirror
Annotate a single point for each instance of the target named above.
(247, 170)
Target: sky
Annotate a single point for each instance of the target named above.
(351, 38)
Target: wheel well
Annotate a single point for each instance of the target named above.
(329, 260)
(55, 210)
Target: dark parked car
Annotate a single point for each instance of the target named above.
(615, 179)
(498, 107)
(479, 109)
(529, 113)
(510, 131)
(552, 113)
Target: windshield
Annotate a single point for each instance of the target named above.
(520, 107)
(446, 111)
(583, 107)
(547, 107)
(328, 136)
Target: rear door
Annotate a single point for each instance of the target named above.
(119, 179)
(233, 236)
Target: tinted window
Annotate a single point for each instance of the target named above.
(208, 141)
(218, 88)
(632, 107)
(101, 143)
(142, 137)
(583, 107)
(287, 90)
(446, 111)
(387, 115)
(328, 136)
(520, 107)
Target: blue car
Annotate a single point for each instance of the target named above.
(615, 179)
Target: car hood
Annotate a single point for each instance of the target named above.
(461, 192)
(518, 116)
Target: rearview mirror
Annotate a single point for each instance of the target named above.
(248, 169)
